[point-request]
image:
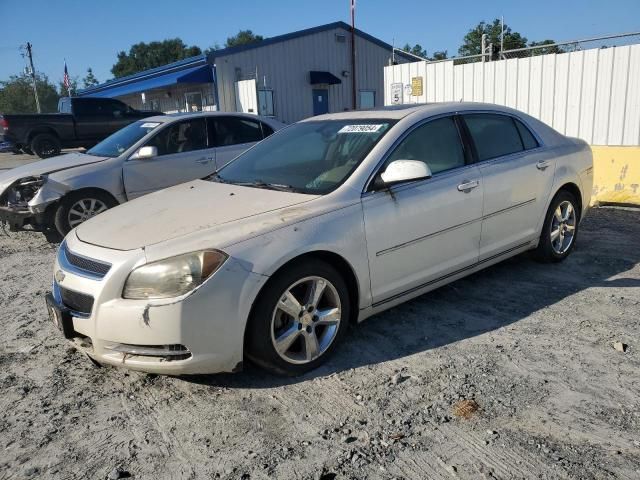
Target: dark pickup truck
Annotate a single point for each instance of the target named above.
(81, 122)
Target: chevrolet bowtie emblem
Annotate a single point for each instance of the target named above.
(59, 276)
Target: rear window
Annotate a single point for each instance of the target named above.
(493, 135)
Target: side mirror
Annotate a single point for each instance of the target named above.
(400, 171)
(144, 152)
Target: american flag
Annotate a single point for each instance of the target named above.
(66, 81)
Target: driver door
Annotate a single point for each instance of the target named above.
(421, 232)
(183, 155)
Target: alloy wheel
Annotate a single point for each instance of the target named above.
(306, 320)
(84, 209)
(563, 227)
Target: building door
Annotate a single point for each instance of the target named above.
(320, 101)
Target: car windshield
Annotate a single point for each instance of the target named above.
(312, 157)
(114, 145)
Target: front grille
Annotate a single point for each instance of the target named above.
(86, 265)
(76, 301)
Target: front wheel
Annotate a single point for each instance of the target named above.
(79, 207)
(560, 228)
(298, 318)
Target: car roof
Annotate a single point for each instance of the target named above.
(397, 112)
(170, 117)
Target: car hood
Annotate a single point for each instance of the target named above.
(230, 212)
(49, 165)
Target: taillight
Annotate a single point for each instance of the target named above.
(4, 124)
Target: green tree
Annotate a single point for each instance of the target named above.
(415, 50)
(441, 55)
(90, 80)
(545, 50)
(143, 56)
(16, 94)
(243, 37)
(473, 39)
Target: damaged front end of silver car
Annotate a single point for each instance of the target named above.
(15, 209)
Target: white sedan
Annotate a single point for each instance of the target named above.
(327, 222)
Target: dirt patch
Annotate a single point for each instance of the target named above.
(532, 344)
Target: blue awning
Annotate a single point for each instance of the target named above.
(323, 77)
(202, 74)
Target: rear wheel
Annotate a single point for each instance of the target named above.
(560, 228)
(78, 207)
(299, 318)
(45, 145)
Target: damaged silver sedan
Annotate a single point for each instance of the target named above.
(62, 192)
(327, 222)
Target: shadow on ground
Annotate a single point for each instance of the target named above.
(608, 246)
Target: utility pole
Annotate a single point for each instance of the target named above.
(32, 73)
(353, 53)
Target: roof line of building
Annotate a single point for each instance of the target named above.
(210, 58)
(301, 33)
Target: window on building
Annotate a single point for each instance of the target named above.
(265, 103)
(367, 99)
(436, 143)
(233, 130)
(181, 137)
(493, 135)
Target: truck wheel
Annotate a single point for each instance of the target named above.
(45, 145)
(78, 207)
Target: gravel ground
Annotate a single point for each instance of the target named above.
(509, 373)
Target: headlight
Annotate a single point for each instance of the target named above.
(24, 190)
(172, 277)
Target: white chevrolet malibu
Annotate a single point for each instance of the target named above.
(324, 223)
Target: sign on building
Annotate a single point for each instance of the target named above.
(396, 94)
(416, 86)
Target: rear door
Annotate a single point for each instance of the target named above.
(517, 174)
(183, 155)
(232, 136)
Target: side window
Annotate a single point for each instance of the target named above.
(266, 130)
(436, 143)
(181, 137)
(232, 131)
(117, 109)
(528, 140)
(493, 135)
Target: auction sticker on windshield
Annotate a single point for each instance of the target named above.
(372, 128)
(150, 125)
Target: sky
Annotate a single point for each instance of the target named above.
(90, 33)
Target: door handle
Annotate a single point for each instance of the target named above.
(204, 161)
(543, 164)
(467, 185)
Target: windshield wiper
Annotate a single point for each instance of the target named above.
(266, 185)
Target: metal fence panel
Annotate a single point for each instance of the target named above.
(593, 94)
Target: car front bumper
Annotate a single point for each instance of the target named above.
(14, 217)
(201, 332)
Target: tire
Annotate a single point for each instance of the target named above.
(68, 211)
(26, 150)
(557, 249)
(45, 145)
(268, 321)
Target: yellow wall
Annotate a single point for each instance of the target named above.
(616, 174)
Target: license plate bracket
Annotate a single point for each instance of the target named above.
(60, 317)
